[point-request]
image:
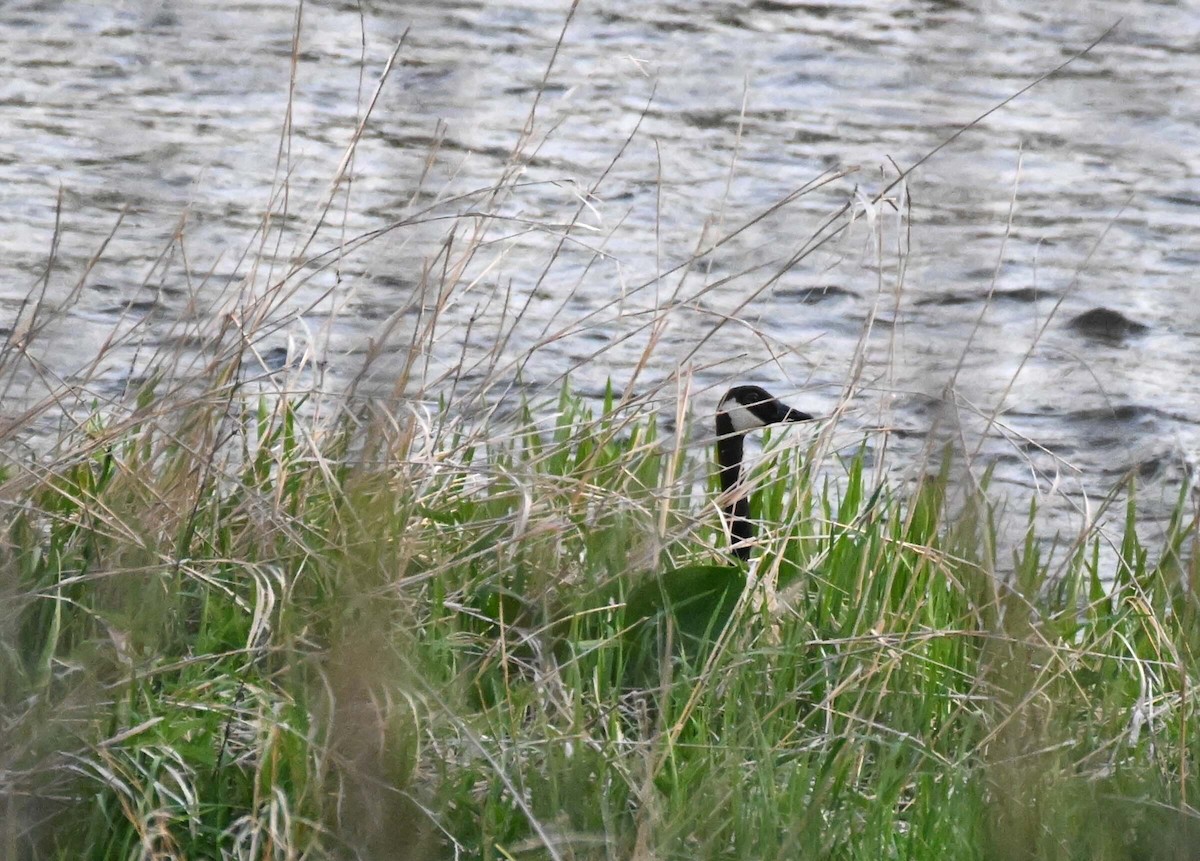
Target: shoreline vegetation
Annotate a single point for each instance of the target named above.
(237, 621)
(226, 635)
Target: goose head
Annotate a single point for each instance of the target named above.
(747, 408)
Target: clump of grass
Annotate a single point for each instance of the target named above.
(420, 652)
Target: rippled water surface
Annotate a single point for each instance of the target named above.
(161, 132)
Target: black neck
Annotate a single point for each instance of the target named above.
(730, 449)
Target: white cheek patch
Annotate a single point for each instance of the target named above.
(742, 419)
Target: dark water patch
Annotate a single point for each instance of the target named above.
(1022, 295)
(1181, 260)
(1035, 447)
(1114, 413)
(779, 6)
(669, 20)
(398, 283)
(1034, 226)
(596, 394)
(274, 359)
(813, 295)
(1180, 200)
(1147, 469)
(708, 119)
(406, 142)
(961, 214)
(375, 349)
(547, 90)
(594, 336)
(163, 19)
(1119, 413)
(900, 432)
(198, 277)
(1151, 468)
(812, 136)
(135, 306)
(370, 311)
(1105, 324)
(446, 143)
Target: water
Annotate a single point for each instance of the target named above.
(660, 130)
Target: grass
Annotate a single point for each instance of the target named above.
(417, 649)
(239, 622)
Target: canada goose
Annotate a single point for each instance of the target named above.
(700, 598)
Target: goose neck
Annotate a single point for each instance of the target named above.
(730, 451)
